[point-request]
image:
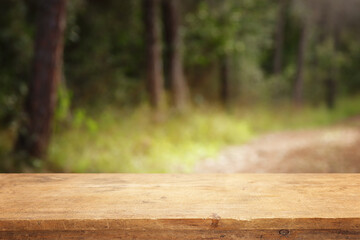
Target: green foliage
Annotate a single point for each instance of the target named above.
(138, 144)
(63, 104)
(82, 120)
(349, 73)
(218, 28)
(116, 140)
(104, 52)
(130, 141)
(15, 53)
(330, 59)
(100, 124)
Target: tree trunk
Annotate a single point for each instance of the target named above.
(224, 80)
(174, 52)
(280, 37)
(330, 93)
(154, 68)
(35, 135)
(330, 82)
(299, 78)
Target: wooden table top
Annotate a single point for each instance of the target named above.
(175, 201)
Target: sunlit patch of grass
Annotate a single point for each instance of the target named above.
(134, 141)
(116, 140)
(285, 117)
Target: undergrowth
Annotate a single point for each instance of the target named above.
(133, 141)
(114, 140)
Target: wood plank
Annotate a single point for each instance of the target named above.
(161, 206)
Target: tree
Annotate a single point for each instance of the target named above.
(174, 54)
(279, 36)
(299, 77)
(34, 136)
(332, 19)
(154, 68)
(225, 80)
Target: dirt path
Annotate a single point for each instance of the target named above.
(327, 150)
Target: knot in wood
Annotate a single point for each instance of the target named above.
(284, 232)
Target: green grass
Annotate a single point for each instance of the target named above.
(134, 141)
(116, 140)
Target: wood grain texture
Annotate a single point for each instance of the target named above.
(160, 206)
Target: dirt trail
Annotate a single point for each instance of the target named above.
(333, 149)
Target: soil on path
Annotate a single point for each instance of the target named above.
(334, 149)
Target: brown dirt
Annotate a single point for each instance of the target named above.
(333, 149)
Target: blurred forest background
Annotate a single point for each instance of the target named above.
(161, 85)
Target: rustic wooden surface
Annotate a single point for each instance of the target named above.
(143, 206)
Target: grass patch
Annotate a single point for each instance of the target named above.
(132, 141)
(116, 140)
(135, 142)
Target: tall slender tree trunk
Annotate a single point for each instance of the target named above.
(299, 77)
(224, 80)
(35, 136)
(331, 81)
(330, 92)
(174, 52)
(280, 37)
(154, 68)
